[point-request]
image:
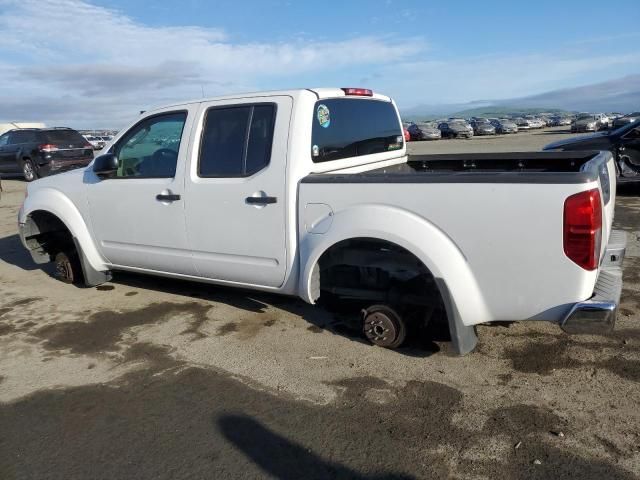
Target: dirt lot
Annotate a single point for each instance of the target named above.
(148, 378)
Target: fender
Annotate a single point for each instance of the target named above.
(58, 204)
(427, 242)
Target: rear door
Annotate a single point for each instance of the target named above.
(236, 193)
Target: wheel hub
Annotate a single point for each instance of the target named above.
(63, 271)
(380, 328)
(28, 171)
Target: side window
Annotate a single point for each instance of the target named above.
(15, 137)
(236, 141)
(28, 136)
(150, 149)
(4, 139)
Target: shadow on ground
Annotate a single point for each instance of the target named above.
(174, 421)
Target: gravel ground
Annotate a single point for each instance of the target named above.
(154, 378)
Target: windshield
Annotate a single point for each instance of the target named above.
(585, 117)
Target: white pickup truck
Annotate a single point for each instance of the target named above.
(311, 193)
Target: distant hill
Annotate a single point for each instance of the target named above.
(619, 95)
(495, 111)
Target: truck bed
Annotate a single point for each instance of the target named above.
(501, 215)
(522, 167)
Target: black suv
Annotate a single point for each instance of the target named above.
(38, 152)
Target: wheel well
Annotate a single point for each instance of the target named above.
(46, 235)
(374, 270)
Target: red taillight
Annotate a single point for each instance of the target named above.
(48, 147)
(583, 228)
(360, 92)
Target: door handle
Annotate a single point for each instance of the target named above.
(167, 197)
(261, 200)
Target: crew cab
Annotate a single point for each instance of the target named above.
(311, 193)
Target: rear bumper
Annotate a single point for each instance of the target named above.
(598, 313)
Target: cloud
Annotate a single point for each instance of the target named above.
(68, 62)
(91, 51)
(500, 76)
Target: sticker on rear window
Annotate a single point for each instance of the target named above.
(324, 117)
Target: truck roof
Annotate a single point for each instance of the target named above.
(321, 93)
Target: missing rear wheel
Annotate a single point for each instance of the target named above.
(68, 268)
(383, 326)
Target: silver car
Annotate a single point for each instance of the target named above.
(483, 127)
(587, 122)
(504, 125)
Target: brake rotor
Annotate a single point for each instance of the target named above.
(383, 326)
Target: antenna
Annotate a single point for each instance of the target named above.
(202, 87)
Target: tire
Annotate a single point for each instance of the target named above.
(68, 268)
(384, 327)
(29, 170)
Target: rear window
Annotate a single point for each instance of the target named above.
(349, 127)
(66, 137)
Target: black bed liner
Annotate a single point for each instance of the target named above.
(518, 167)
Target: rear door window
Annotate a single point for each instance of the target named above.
(236, 141)
(352, 127)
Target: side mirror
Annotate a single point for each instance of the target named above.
(105, 166)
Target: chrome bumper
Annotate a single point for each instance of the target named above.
(598, 314)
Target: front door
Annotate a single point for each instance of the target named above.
(236, 196)
(138, 213)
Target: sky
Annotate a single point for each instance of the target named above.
(97, 64)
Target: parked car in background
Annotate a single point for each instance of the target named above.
(523, 123)
(626, 120)
(455, 129)
(588, 122)
(623, 143)
(38, 152)
(559, 121)
(483, 127)
(534, 122)
(96, 142)
(504, 125)
(424, 131)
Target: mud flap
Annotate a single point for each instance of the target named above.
(463, 337)
(92, 277)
